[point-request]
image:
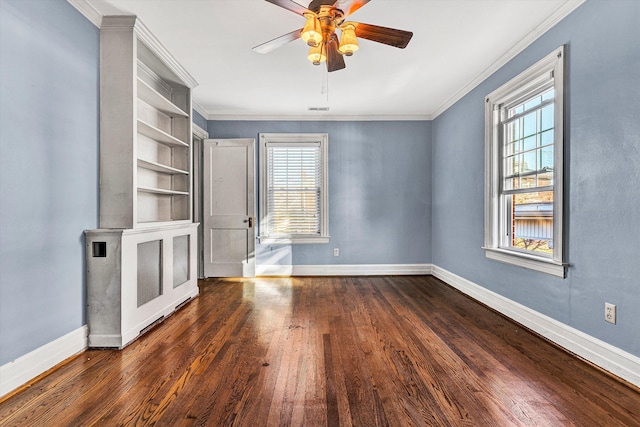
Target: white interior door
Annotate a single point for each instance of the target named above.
(229, 237)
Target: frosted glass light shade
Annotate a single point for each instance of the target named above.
(317, 54)
(348, 41)
(312, 32)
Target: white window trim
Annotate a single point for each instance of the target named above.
(311, 138)
(517, 87)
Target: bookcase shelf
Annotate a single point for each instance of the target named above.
(156, 100)
(157, 167)
(162, 191)
(159, 135)
(145, 129)
(142, 261)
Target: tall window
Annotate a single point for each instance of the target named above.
(293, 191)
(524, 168)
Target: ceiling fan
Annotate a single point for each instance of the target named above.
(323, 17)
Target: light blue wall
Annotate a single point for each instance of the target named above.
(379, 191)
(49, 59)
(603, 200)
(199, 120)
(387, 179)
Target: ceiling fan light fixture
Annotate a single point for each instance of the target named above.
(317, 54)
(323, 20)
(348, 41)
(312, 31)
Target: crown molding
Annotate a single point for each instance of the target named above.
(557, 16)
(93, 14)
(200, 109)
(108, 18)
(88, 11)
(317, 118)
(147, 37)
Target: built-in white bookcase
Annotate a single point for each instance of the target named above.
(142, 261)
(145, 129)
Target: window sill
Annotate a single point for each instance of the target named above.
(310, 240)
(543, 265)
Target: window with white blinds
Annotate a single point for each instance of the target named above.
(293, 191)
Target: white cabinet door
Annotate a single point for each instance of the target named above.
(229, 237)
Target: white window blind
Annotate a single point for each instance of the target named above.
(294, 184)
(293, 188)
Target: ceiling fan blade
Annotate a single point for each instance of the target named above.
(335, 61)
(349, 6)
(290, 5)
(278, 42)
(384, 35)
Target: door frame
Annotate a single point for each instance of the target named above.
(198, 137)
(248, 266)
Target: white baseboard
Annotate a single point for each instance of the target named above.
(27, 367)
(612, 359)
(343, 270)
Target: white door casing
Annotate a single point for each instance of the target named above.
(229, 213)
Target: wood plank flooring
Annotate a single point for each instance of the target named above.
(334, 351)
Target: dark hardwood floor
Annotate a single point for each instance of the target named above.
(356, 351)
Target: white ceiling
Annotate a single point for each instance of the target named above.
(456, 44)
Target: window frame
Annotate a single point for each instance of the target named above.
(300, 139)
(532, 81)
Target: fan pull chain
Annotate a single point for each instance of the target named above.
(325, 84)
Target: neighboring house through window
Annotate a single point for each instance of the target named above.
(293, 188)
(524, 145)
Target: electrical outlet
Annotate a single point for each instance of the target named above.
(610, 312)
(336, 252)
